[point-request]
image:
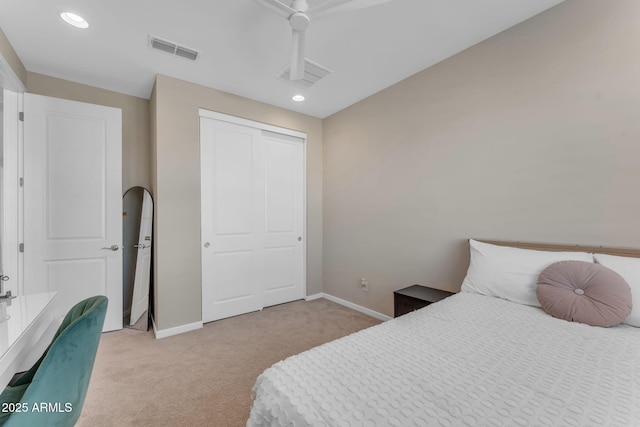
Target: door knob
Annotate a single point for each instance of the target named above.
(206, 245)
(112, 248)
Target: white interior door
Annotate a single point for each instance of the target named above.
(72, 202)
(140, 300)
(252, 218)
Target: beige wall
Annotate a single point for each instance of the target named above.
(176, 147)
(533, 135)
(136, 162)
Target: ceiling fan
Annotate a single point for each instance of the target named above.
(300, 16)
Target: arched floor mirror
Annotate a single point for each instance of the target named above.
(137, 217)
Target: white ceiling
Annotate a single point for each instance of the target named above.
(243, 45)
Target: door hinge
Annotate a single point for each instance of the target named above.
(21, 182)
(21, 116)
(21, 247)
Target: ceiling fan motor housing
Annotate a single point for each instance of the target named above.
(299, 21)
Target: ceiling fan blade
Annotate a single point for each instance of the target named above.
(296, 71)
(332, 7)
(279, 8)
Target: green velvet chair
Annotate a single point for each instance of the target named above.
(52, 392)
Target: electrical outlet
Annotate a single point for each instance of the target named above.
(364, 284)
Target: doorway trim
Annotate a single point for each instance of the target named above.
(12, 89)
(284, 131)
(258, 125)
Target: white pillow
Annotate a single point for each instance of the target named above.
(511, 273)
(629, 269)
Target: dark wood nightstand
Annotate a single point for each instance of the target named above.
(414, 297)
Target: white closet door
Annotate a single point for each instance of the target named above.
(73, 202)
(252, 218)
(232, 212)
(284, 217)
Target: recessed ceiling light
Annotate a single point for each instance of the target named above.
(298, 98)
(73, 19)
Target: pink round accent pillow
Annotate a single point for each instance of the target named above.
(584, 292)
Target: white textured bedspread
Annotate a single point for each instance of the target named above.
(469, 360)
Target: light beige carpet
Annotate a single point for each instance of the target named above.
(204, 377)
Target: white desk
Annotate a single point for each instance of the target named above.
(27, 325)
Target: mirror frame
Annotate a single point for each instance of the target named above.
(129, 260)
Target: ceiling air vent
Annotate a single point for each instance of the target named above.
(313, 72)
(186, 53)
(172, 48)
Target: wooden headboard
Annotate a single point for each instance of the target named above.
(628, 252)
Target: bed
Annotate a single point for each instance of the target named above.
(473, 359)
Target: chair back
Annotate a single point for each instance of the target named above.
(56, 393)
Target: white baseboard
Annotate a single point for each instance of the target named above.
(349, 304)
(314, 296)
(164, 333)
